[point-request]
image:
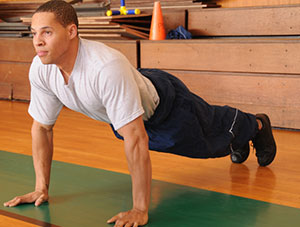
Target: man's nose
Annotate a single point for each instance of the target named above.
(38, 41)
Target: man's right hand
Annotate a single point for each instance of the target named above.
(36, 197)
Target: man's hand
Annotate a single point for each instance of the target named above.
(131, 218)
(36, 197)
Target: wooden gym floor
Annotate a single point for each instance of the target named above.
(185, 192)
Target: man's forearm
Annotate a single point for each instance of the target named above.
(141, 172)
(141, 184)
(42, 151)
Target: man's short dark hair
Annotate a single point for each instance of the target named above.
(63, 11)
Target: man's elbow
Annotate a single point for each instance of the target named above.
(140, 150)
(142, 144)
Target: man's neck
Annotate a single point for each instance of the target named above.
(66, 65)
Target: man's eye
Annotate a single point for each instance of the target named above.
(33, 33)
(48, 33)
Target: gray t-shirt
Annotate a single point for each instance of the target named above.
(103, 85)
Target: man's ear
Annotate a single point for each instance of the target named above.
(72, 31)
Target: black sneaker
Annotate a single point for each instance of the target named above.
(264, 142)
(240, 155)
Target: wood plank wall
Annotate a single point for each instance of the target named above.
(223, 55)
(259, 21)
(252, 75)
(16, 56)
(6, 90)
(244, 3)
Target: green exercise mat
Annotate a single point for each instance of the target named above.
(84, 196)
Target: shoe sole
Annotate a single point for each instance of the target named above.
(261, 118)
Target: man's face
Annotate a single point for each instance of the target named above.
(50, 39)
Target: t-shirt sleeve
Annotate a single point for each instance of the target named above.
(120, 93)
(44, 105)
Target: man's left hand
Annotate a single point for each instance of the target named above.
(131, 218)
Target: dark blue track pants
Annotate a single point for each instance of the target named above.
(184, 124)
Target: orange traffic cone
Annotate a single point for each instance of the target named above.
(157, 30)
